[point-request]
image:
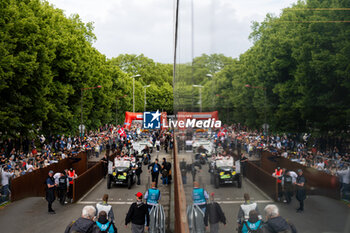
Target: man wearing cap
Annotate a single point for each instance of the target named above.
(300, 190)
(278, 174)
(152, 196)
(137, 215)
(50, 191)
(214, 215)
(199, 196)
(71, 176)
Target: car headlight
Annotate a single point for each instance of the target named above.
(222, 173)
(233, 173)
(124, 174)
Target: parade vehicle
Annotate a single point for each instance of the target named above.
(225, 171)
(140, 145)
(206, 144)
(122, 173)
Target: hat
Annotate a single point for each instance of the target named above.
(139, 195)
(299, 170)
(51, 171)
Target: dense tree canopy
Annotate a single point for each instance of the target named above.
(46, 59)
(298, 72)
(295, 77)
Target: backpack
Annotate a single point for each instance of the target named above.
(258, 230)
(107, 229)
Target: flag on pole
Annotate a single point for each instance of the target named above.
(121, 132)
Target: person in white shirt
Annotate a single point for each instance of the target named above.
(294, 176)
(5, 176)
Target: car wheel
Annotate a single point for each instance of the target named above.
(129, 182)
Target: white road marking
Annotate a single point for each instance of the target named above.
(110, 202)
(241, 202)
(90, 190)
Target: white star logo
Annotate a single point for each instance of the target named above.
(155, 115)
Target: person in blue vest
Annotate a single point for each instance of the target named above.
(199, 196)
(152, 196)
(154, 168)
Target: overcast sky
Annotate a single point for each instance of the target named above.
(146, 26)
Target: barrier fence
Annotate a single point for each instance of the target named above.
(181, 224)
(265, 181)
(317, 182)
(33, 184)
(87, 180)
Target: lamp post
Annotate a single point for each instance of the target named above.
(200, 96)
(213, 88)
(82, 105)
(265, 107)
(116, 109)
(133, 91)
(144, 106)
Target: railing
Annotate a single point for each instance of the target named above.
(87, 180)
(317, 182)
(265, 181)
(181, 224)
(33, 184)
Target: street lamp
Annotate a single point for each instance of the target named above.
(265, 108)
(133, 91)
(200, 96)
(116, 109)
(144, 106)
(213, 88)
(82, 100)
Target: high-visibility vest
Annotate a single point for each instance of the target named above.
(71, 175)
(247, 208)
(198, 196)
(153, 196)
(278, 173)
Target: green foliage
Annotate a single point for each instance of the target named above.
(46, 59)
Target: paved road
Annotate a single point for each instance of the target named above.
(321, 214)
(30, 214)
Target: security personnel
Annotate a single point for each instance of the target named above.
(63, 184)
(278, 174)
(287, 185)
(245, 208)
(50, 192)
(104, 206)
(300, 190)
(152, 196)
(199, 196)
(71, 176)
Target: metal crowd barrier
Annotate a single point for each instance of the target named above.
(157, 219)
(195, 220)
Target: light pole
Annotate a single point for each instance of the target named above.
(116, 109)
(133, 91)
(144, 106)
(82, 100)
(265, 108)
(200, 96)
(213, 88)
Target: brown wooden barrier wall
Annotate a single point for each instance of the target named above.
(33, 184)
(318, 182)
(181, 224)
(87, 180)
(265, 181)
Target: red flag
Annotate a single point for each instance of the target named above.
(121, 132)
